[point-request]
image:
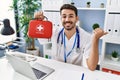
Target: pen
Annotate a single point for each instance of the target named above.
(82, 78)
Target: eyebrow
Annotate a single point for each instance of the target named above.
(69, 14)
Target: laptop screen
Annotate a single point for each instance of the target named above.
(23, 67)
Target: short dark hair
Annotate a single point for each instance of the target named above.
(69, 6)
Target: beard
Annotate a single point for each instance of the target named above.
(70, 26)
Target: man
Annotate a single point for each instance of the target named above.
(71, 44)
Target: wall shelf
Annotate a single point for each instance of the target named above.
(79, 8)
(111, 39)
(108, 63)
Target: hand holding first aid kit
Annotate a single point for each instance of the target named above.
(40, 29)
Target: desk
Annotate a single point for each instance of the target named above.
(62, 70)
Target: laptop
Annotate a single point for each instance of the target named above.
(34, 72)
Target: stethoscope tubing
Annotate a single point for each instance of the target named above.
(61, 34)
(63, 40)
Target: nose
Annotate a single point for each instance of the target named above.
(67, 19)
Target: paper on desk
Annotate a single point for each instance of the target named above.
(64, 74)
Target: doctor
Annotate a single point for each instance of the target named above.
(71, 44)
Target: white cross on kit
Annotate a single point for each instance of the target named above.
(40, 28)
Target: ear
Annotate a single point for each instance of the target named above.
(77, 18)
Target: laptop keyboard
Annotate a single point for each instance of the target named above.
(38, 73)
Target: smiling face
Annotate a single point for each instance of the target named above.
(68, 19)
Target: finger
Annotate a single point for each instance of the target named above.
(41, 13)
(38, 14)
(105, 33)
(98, 30)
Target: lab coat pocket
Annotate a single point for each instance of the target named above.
(73, 57)
(60, 53)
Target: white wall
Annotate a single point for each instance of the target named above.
(5, 12)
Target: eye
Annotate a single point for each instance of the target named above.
(63, 16)
(71, 16)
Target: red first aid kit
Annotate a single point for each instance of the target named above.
(40, 29)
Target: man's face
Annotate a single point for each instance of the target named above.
(68, 19)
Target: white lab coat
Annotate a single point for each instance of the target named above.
(76, 57)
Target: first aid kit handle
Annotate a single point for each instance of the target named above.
(40, 19)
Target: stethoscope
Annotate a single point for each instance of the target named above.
(63, 41)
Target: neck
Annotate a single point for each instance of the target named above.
(70, 33)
